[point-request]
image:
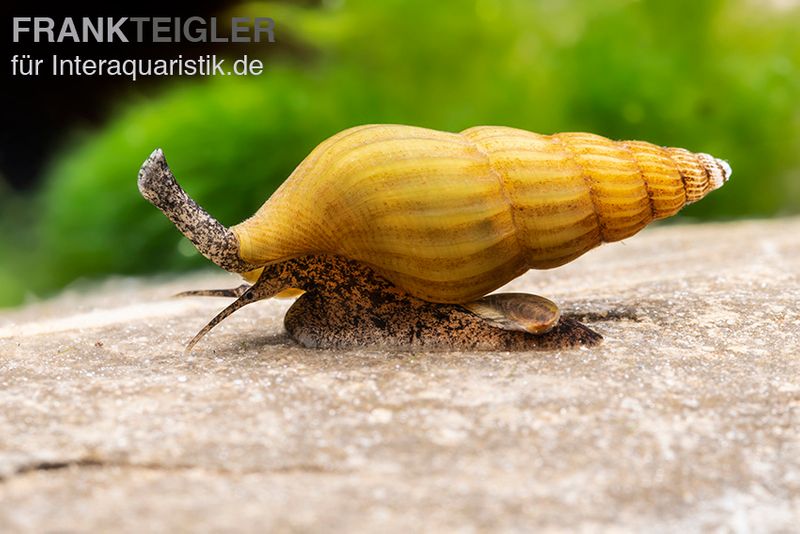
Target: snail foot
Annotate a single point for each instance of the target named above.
(391, 319)
(347, 305)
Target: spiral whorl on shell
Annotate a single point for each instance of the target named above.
(451, 217)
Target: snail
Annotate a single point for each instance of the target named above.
(395, 236)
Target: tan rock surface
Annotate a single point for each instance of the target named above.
(686, 417)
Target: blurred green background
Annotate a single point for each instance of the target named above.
(714, 76)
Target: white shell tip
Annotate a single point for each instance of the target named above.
(726, 167)
(718, 171)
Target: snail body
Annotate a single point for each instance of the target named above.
(441, 217)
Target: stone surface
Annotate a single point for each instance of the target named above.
(686, 417)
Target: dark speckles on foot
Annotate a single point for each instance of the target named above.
(347, 305)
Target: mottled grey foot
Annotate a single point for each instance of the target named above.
(403, 322)
(348, 305)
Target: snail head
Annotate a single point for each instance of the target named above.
(216, 242)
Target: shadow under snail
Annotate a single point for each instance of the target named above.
(395, 235)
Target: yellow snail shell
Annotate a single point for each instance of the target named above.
(450, 217)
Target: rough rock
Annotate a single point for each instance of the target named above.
(687, 417)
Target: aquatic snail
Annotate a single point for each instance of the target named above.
(396, 235)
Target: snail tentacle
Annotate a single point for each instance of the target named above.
(271, 282)
(242, 301)
(232, 292)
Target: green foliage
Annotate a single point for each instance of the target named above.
(712, 76)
